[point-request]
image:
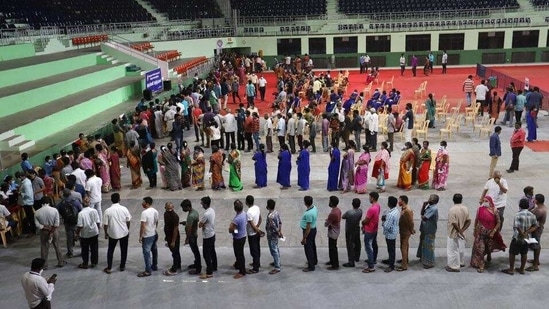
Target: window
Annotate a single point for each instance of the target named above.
(288, 46)
(345, 45)
(451, 41)
(491, 40)
(317, 46)
(418, 42)
(525, 38)
(378, 43)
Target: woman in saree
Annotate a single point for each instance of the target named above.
(260, 167)
(173, 178)
(347, 171)
(198, 167)
(333, 167)
(216, 168)
(424, 167)
(134, 163)
(487, 238)
(381, 167)
(118, 132)
(442, 166)
(284, 167)
(303, 167)
(430, 105)
(185, 164)
(115, 172)
(235, 173)
(407, 160)
(361, 175)
(103, 167)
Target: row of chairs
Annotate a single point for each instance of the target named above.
(143, 47)
(90, 40)
(170, 55)
(254, 29)
(492, 22)
(295, 29)
(182, 68)
(344, 27)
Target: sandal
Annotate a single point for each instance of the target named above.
(368, 270)
(520, 271)
(508, 271)
(274, 271)
(532, 268)
(480, 270)
(143, 274)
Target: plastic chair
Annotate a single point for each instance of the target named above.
(3, 235)
(424, 129)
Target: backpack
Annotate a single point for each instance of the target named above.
(67, 212)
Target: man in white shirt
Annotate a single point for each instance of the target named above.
(87, 229)
(148, 236)
(444, 61)
(291, 132)
(496, 187)
(373, 127)
(47, 221)
(230, 125)
(262, 87)
(253, 216)
(300, 130)
(93, 188)
(402, 63)
(268, 132)
(116, 224)
(480, 92)
(281, 130)
(79, 173)
(38, 290)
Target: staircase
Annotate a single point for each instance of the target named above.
(9, 141)
(225, 6)
(526, 5)
(154, 12)
(40, 44)
(332, 10)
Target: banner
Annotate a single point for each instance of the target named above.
(153, 80)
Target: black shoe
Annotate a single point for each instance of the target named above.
(333, 268)
(328, 263)
(192, 266)
(510, 171)
(349, 265)
(385, 261)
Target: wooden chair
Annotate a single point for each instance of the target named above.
(423, 130)
(3, 235)
(487, 128)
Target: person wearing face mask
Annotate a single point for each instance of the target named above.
(442, 163)
(38, 290)
(423, 172)
(428, 229)
(487, 238)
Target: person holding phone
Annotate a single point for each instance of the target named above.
(38, 290)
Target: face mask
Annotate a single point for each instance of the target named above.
(485, 204)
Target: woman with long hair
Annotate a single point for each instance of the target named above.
(216, 168)
(303, 167)
(284, 167)
(333, 167)
(424, 167)
(185, 163)
(347, 171)
(198, 168)
(430, 105)
(407, 160)
(115, 173)
(361, 174)
(235, 173)
(381, 166)
(260, 167)
(172, 167)
(487, 238)
(133, 154)
(442, 166)
(103, 167)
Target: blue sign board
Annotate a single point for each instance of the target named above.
(153, 80)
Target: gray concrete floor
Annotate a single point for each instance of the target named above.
(347, 288)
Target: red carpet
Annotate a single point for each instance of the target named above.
(538, 146)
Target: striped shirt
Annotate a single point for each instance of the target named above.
(391, 223)
(468, 85)
(524, 220)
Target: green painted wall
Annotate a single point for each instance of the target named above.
(73, 115)
(34, 97)
(10, 52)
(43, 70)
